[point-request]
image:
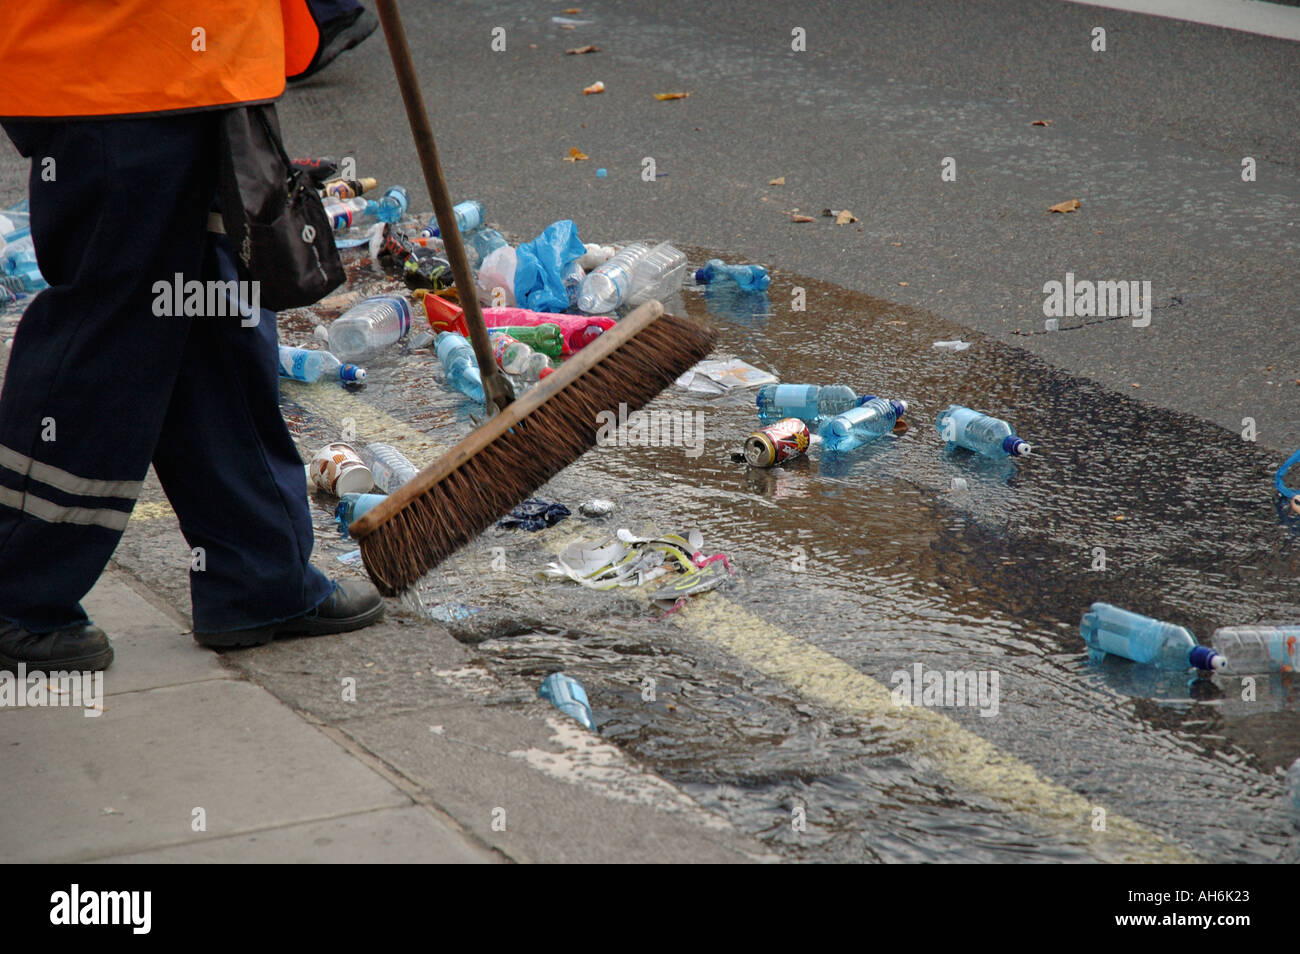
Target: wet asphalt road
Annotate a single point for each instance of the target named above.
(899, 570)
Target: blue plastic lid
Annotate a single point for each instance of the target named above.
(702, 276)
(1203, 657)
(1015, 446)
(351, 373)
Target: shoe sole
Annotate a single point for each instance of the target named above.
(94, 662)
(245, 638)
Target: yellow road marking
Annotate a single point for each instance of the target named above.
(966, 758)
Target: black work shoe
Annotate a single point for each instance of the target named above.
(337, 35)
(351, 606)
(83, 647)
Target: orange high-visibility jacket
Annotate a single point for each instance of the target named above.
(82, 58)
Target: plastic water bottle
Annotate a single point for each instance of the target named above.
(572, 277)
(748, 277)
(978, 432)
(370, 324)
(811, 404)
(544, 338)
(457, 357)
(515, 357)
(469, 216)
(1109, 629)
(352, 507)
(657, 274)
(389, 466)
(578, 331)
(1259, 649)
(486, 241)
(391, 206)
(344, 213)
(567, 695)
(605, 289)
(874, 417)
(302, 364)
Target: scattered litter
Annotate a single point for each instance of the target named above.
(338, 469)
(1259, 649)
(579, 50)
(1110, 630)
(841, 216)
(720, 375)
(568, 695)
(985, 435)
(1068, 206)
(795, 217)
(576, 155)
(748, 277)
(629, 560)
(666, 96)
(596, 87)
(783, 440)
(958, 485)
(601, 173)
(779, 180)
(955, 345)
(534, 515)
(1041, 122)
(596, 507)
(568, 23)
(351, 558)
(452, 612)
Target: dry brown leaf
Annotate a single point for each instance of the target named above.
(778, 181)
(845, 217)
(1069, 206)
(663, 96)
(596, 87)
(567, 26)
(571, 11)
(589, 48)
(576, 155)
(896, 244)
(1041, 122)
(801, 218)
(902, 284)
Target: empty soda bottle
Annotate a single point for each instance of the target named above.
(515, 357)
(607, 287)
(1259, 649)
(981, 433)
(545, 338)
(352, 507)
(1109, 629)
(874, 417)
(811, 404)
(568, 695)
(658, 274)
(349, 188)
(370, 324)
(748, 277)
(457, 357)
(389, 466)
(468, 214)
(302, 364)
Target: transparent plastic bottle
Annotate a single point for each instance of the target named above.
(468, 214)
(572, 277)
(1109, 629)
(605, 289)
(748, 277)
(344, 213)
(568, 695)
(370, 324)
(389, 466)
(457, 357)
(303, 364)
(874, 417)
(811, 404)
(578, 330)
(1259, 649)
(596, 255)
(391, 206)
(515, 357)
(545, 338)
(485, 242)
(981, 433)
(352, 507)
(658, 274)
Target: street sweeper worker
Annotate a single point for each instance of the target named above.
(118, 109)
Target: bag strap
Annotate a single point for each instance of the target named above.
(232, 204)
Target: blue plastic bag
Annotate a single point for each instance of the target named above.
(539, 272)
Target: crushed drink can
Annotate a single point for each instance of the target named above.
(777, 442)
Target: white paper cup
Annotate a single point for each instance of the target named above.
(338, 469)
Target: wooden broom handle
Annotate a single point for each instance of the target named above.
(496, 388)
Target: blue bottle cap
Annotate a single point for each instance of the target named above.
(701, 276)
(1015, 446)
(351, 374)
(1203, 657)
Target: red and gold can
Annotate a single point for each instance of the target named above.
(777, 442)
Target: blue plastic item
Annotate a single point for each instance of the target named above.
(457, 357)
(748, 277)
(540, 266)
(352, 507)
(1109, 629)
(567, 695)
(874, 417)
(1278, 478)
(989, 436)
(811, 404)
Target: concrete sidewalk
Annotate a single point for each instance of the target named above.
(190, 760)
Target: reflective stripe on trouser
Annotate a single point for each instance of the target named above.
(99, 384)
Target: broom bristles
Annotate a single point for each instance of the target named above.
(508, 470)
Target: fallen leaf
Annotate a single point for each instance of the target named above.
(571, 11)
(778, 181)
(896, 244)
(567, 26)
(1069, 206)
(902, 284)
(589, 48)
(801, 218)
(845, 217)
(1041, 122)
(596, 87)
(663, 96)
(576, 155)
